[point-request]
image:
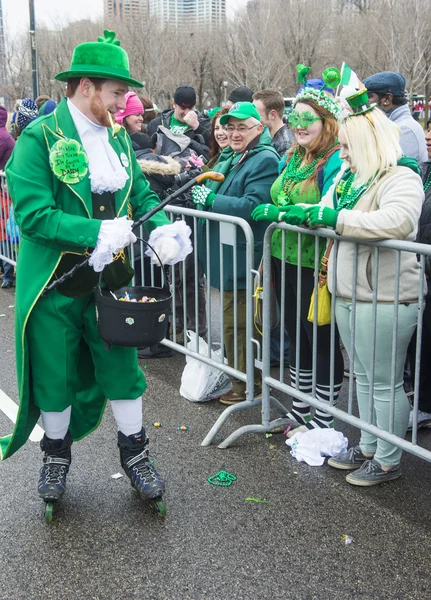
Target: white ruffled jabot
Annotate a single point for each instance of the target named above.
(107, 174)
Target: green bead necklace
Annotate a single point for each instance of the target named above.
(294, 173)
(346, 195)
(427, 181)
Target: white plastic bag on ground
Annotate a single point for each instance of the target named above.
(201, 382)
(312, 446)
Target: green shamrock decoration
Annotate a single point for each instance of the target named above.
(331, 77)
(302, 71)
(109, 38)
(68, 161)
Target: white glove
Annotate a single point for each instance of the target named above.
(171, 243)
(114, 235)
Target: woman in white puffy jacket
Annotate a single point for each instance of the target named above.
(378, 196)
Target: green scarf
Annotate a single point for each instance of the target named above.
(228, 159)
(411, 163)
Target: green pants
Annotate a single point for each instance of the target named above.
(384, 452)
(62, 334)
(229, 340)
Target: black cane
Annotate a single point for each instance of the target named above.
(212, 175)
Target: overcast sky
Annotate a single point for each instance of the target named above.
(51, 12)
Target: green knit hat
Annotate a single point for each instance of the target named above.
(103, 59)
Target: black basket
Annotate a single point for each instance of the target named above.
(136, 324)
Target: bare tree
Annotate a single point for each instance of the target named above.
(260, 48)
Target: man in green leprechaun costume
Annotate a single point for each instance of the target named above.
(75, 185)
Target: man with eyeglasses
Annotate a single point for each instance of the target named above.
(249, 165)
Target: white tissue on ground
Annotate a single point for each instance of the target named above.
(312, 446)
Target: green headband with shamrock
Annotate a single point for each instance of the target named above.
(331, 78)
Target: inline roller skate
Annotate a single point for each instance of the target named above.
(142, 473)
(52, 480)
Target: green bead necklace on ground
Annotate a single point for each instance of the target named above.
(294, 173)
(347, 195)
(222, 479)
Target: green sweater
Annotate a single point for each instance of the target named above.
(302, 193)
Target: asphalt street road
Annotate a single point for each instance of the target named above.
(105, 543)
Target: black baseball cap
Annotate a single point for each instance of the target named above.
(185, 96)
(241, 94)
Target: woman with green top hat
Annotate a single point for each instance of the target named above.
(78, 198)
(306, 173)
(378, 197)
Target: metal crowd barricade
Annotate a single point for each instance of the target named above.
(228, 228)
(271, 383)
(8, 245)
(278, 383)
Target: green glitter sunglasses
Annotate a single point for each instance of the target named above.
(303, 120)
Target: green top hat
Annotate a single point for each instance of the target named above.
(103, 59)
(359, 102)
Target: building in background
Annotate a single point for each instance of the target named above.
(188, 13)
(125, 8)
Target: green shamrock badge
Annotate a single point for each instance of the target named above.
(68, 161)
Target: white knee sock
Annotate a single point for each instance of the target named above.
(56, 424)
(128, 414)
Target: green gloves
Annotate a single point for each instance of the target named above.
(266, 212)
(294, 215)
(322, 216)
(202, 196)
(318, 216)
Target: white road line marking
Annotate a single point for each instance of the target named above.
(10, 409)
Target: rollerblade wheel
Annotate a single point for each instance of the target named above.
(49, 511)
(159, 506)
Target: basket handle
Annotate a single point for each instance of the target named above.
(164, 279)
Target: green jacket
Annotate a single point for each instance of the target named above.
(55, 218)
(247, 184)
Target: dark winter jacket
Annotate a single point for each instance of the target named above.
(201, 135)
(424, 228)
(160, 171)
(6, 140)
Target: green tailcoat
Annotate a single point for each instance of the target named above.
(54, 219)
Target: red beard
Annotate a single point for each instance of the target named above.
(99, 111)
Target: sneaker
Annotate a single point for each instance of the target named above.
(232, 398)
(424, 420)
(299, 429)
(7, 284)
(371, 473)
(352, 458)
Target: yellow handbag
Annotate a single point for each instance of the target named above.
(323, 295)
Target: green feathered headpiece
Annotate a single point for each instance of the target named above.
(104, 59)
(302, 71)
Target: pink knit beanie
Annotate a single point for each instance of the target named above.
(133, 107)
